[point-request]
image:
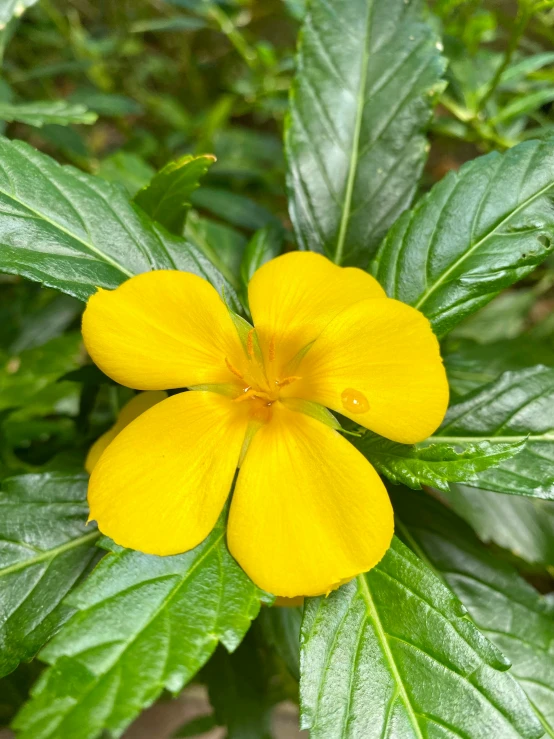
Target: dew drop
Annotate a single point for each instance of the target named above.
(354, 401)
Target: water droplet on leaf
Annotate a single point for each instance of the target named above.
(354, 401)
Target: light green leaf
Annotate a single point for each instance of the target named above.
(45, 548)
(368, 73)
(478, 231)
(144, 623)
(470, 365)
(521, 525)
(166, 198)
(76, 232)
(44, 112)
(392, 653)
(511, 613)
(529, 64)
(523, 105)
(433, 465)
(518, 407)
(13, 9)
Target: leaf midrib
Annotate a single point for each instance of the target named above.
(345, 216)
(427, 294)
(61, 228)
(491, 437)
(381, 635)
(49, 553)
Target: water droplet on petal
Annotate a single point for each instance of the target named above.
(354, 401)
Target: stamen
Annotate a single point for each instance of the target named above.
(271, 350)
(232, 369)
(287, 381)
(250, 342)
(250, 393)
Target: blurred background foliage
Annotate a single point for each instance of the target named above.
(121, 88)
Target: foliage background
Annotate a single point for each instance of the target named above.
(118, 89)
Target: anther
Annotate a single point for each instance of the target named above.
(287, 381)
(232, 369)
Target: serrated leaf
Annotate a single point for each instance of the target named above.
(166, 199)
(392, 653)
(478, 231)
(75, 232)
(518, 407)
(45, 548)
(470, 365)
(433, 465)
(144, 623)
(511, 613)
(43, 112)
(521, 525)
(367, 76)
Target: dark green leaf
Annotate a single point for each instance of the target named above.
(76, 232)
(42, 112)
(505, 317)
(368, 73)
(45, 547)
(523, 526)
(223, 245)
(48, 323)
(470, 365)
(167, 198)
(478, 231)
(266, 244)
(281, 628)
(393, 654)
(238, 210)
(517, 407)
(433, 465)
(238, 692)
(24, 376)
(504, 607)
(144, 623)
(197, 727)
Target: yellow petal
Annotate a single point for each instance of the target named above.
(308, 511)
(293, 297)
(162, 330)
(131, 410)
(379, 364)
(161, 484)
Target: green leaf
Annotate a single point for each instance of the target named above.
(511, 613)
(470, 365)
(166, 198)
(197, 726)
(505, 317)
(368, 73)
(76, 232)
(521, 525)
(392, 653)
(144, 623)
(266, 244)
(129, 169)
(238, 210)
(281, 629)
(223, 245)
(45, 548)
(24, 376)
(238, 692)
(44, 112)
(523, 105)
(478, 231)
(13, 9)
(433, 465)
(518, 407)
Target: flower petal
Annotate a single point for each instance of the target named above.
(379, 364)
(160, 330)
(293, 297)
(308, 511)
(131, 410)
(161, 484)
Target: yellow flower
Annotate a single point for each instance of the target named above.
(308, 510)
